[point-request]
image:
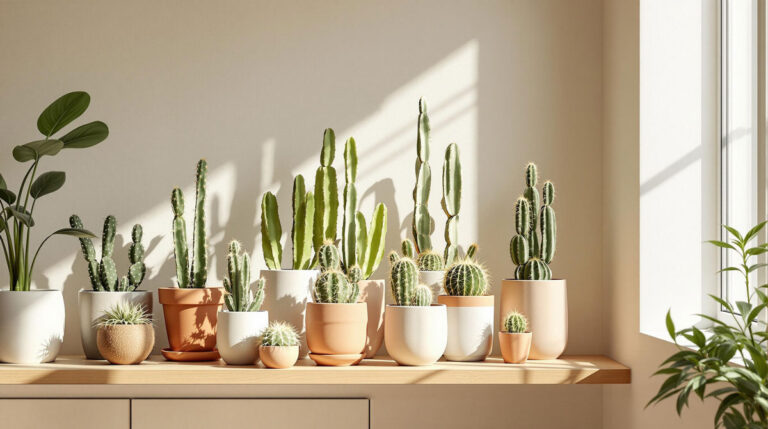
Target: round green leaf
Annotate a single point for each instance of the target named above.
(48, 182)
(63, 111)
(34, 150)
(86, 135)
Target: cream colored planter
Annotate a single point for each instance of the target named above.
(285, 297)
(372, 292)
(415, 335)
(470, 327)
(31, 326)
(93, 304)
(545, 304)
(237, 335)
(433, 279)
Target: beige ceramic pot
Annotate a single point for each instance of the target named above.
(125, 344)
(191, 316)
(372, 293)
(545, 304)
(515, 347)
(279, 357)
(336, 329)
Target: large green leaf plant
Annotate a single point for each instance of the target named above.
(17, 209)
(703, 366)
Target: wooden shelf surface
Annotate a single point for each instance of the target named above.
(380, 370)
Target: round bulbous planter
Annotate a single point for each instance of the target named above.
(93, 304)
(372, 293)
(433, 279)
(515, 347)
(31, 325)
(125, 344)
(470, 327)
(286, 296)
(237, 335)
(336, 329)
(191, 317)
(415, 335)
(545, 304)
(279, 357)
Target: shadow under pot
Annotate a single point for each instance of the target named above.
(126, 344)
(31, 325)
(415, 335)
(515, 347)
(545, 304)
(93, 304)
(470, 327)
(336, 333)
(237, 336)
(191, 316)
(286, 296)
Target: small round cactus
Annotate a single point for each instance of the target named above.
(430, 261)
(279, 334)
(422, 296)
(466, 278)
(515, 323)
(332, 286)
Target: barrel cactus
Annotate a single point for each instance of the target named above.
(430, 261)
(333, 287)
(279, 334)
(466, 278)
(515, 323)
(422, 296)
(303, 204)
(240, 296)
(191, 272)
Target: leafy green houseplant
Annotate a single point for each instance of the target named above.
(704, 369)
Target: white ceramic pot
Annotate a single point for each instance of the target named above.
(433, 279)
(415, 335)
(93, 304)
(545, 304)
(237, 335)
(470, 327)
(286, 294)
(31, 325)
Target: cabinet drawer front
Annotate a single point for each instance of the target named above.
(262, 413)
(65, 413)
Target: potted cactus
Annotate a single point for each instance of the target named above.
(336, 321)
(415, 330)
(107, 289)
(125, 334)
(514, 338)
(469, 310)
(533, 291)
(279, 346)
(191, 308)
(240, 327)
(32, 320)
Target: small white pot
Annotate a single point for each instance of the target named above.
(415, 335)
(31, 325)
(470, 327)
(433, 279)
(286, 295)
(93, 304)
(237, 335)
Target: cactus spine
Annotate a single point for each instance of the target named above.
(466, 278)
(279, 334)
(240, 297)
(451, 201)
(530, 252)
(422, 222)
(197, 274)
(515, 323)
(326, 193)
(301, 232)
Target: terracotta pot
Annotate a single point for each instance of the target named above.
(279, 357)
(237, 335)
(286, 296)
(372, 292)
(93, 304)
(31, 325)
(125, 344)
(191, 317)
(415, 335)
(515, 347)
(433, 279)
(545, 304)
(336, 329)
(470, 327)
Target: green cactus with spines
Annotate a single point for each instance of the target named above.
(137, 269)
(515, 323)
(108, 236)
(404, 276)
(326, 193)
(303, 219)
(472, 251)
(532, 195)
(451, 201)
(422, 222)
(180, 248)
(430, 261)
(375, 237)
(408, 249)
(332, 286)
(89, 253)
(279, 334)
(349, 224)
(465, 278)
(191, 272)
(548, 224)
(422, 296)
(108, 273)
(328, 257)
(239, 296)
(536, 269)
(393, 257)
(271, 231)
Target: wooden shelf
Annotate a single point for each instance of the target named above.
(380, 370)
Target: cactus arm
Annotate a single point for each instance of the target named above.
(422, 223)
(89, 253)
(108, 236)
(532, 195)
(271, 231)
(199, 272)
(180, 249)
(301, 232)
(361, 247)
(374, 248)
(349, 225)
(326, 193)
(408, 249)
(258, 295)
(403, 280)
(472, 251)
(451, 202)
(451, 252)
(108, 273)
(548, 224)
(306, 241)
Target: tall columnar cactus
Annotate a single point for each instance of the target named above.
(191, 272)
(303, 218)
(451, 202)
(240, 297)
(466, 278)
(271, 231)
(422, 222)
(515, 323)
(326, 193)
(349, 225)
(404, 277)
(138, 269)
(532, 253)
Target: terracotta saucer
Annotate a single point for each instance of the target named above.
(190, 356)
(336, 360)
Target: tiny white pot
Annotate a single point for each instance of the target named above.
(286, 295)
(31, 325)
(433, 279)
(93, 304)
(470, 327)
(415, 335)
(237, 335)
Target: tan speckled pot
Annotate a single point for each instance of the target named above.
(125, 344)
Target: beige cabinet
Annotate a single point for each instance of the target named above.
(261, 413)
(65, 413)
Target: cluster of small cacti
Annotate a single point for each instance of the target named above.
(196, 275)
(333, 285)
(125, 313)
(103, 273)
(240, 296)
(530, 253)
(404, 278)
(279, 334)
(515, 323)
(301, 230)
(465, 278)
